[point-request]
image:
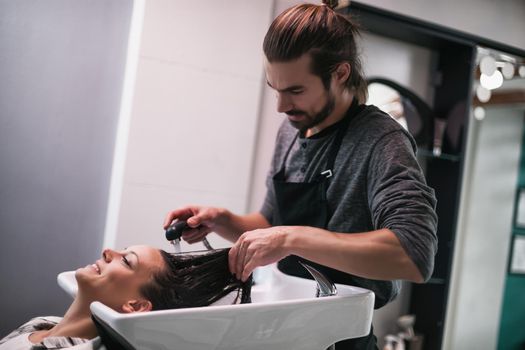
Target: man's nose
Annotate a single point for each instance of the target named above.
(283, 103)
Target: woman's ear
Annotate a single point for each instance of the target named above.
(141, 305)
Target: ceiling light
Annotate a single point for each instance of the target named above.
(491, 82)
(479, 113)
(483, 94)
(487, 65)
(521, 71)
(507, 70)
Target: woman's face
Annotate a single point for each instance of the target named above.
(116, 278)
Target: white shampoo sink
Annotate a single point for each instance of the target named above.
(284, 314)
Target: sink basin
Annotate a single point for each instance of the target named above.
(284, 314)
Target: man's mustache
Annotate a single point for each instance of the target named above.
(295, 112)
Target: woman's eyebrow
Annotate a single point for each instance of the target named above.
(134, 253)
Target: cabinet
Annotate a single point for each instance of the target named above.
(453, 73)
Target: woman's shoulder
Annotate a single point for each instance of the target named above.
(18, 339)
(33, 325)
(42, 322)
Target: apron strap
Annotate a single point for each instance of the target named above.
(334, 149)
(283, 165)
(354, 109)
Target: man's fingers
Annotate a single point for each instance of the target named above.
(239, 266)
(248, 268)
(195, 235)
(195, 221)
(190, 234)
(245, 260)
(248, 265)
(169, 219)
(232, 258)
(203, 217)
(181, 214)
(241, 256)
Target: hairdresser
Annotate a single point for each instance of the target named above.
(344, 190)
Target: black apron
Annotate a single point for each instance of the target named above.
(305, 204)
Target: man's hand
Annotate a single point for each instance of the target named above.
(201, 220)
(375, 254)
(204, 220)
(258, 248)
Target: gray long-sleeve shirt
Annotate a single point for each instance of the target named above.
(377, 183)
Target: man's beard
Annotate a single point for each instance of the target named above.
(312, 120)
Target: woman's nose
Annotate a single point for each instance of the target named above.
(108, 254)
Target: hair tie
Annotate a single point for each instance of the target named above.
(331, 3)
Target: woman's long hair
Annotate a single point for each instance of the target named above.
(193, 280)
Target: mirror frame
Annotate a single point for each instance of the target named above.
(426, 113)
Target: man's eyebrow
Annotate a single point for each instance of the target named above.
(288, 89)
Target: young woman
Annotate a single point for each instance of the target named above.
(137, 279)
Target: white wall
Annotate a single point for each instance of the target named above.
(61, 72)
(193, 115)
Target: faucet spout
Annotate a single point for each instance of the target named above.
(325, 287)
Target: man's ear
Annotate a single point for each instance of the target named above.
(141, 305)
(342, 73)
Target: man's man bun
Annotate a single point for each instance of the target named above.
(331, 3)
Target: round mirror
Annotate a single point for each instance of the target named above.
(402, 105)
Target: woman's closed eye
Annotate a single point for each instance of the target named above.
(130, 258)
(126, 261)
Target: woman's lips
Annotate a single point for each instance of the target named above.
(95, 267)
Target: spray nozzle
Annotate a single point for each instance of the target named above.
(174, 231)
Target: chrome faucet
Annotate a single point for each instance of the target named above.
(325, 287)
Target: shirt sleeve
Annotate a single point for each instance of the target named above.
(400, 199)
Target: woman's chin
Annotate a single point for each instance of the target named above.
(84, 278)
(80, 273)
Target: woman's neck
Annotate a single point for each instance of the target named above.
(76, 323)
